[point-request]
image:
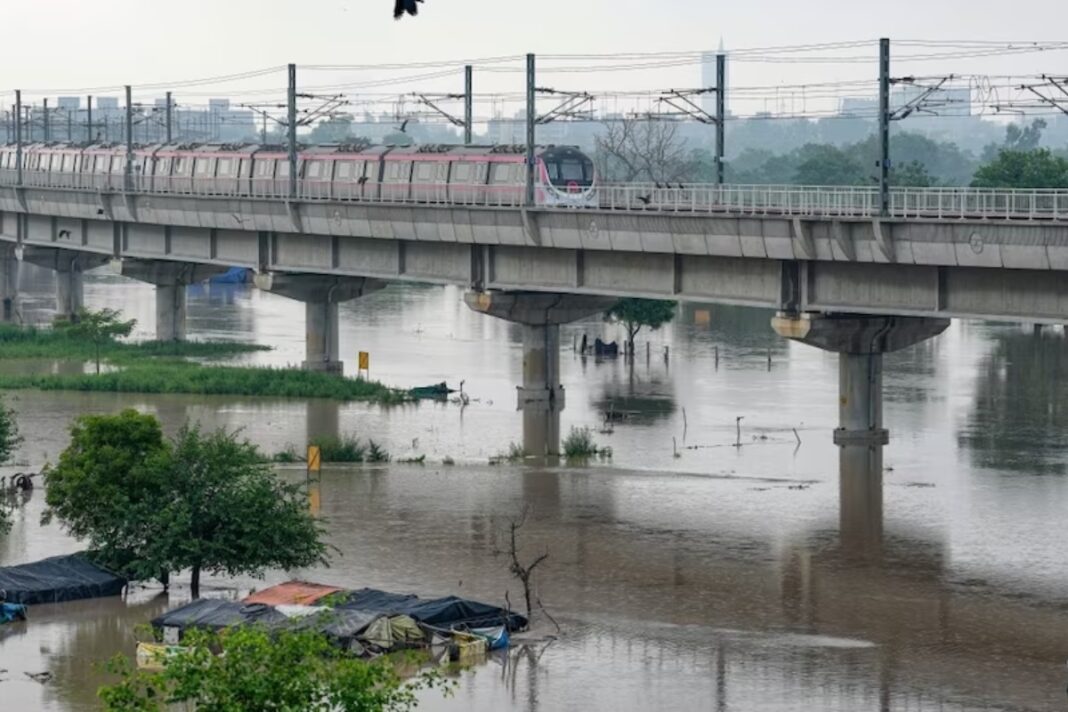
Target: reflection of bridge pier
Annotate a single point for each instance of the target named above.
(541, 397)
(323, 419)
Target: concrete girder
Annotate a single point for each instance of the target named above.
(858, 334)
(538, 308)
(321, 295)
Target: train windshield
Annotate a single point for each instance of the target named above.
(568, 168)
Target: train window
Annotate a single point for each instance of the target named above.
(461, 172)
(506, 172)
(314, 169)
(204, 166)
(343, 170)
(424, 171)
(283, 169)
(225, 167)
(103, 164)
(264, 168)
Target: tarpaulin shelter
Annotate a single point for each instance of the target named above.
(57, 579)
(448, 612)
(389, 632)
(215, 614)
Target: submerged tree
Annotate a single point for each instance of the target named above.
(9, 442)
(637, 313)
(149, 507)
(99, 327)
(251, 668)
(227, 512)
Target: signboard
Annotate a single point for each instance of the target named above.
(365, 361)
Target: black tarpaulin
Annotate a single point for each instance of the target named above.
(214, 614)
(448, 612)
(60, 578)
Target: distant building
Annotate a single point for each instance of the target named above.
(708, 79)
(69, 103)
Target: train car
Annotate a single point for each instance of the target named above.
(466, 175)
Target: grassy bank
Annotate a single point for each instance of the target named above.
(179, 377)
(29, 342)
(161, 367)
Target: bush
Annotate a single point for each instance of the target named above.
(261, 670)
(343, 449)
(579, 444)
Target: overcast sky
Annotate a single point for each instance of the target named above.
(77, 44)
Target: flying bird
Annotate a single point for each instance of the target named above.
(404, 126)
(405, 6)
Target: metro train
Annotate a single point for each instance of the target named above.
(471, 175)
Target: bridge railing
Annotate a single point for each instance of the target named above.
(856, 202)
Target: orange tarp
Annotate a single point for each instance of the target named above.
(294, 593)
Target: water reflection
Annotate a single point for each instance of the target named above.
(732, 578)
(1020, 419)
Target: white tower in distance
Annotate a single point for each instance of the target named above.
(708, 79)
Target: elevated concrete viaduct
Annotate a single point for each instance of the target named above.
(991, 265)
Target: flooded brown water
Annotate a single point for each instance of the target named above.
(721, 579)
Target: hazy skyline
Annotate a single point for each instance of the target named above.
(73, 47)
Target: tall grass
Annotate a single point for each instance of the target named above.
(166, 376)
(30, 342)
(161, 367)
(344, 449)
(579, 445)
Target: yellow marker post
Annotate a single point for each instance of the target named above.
(364, 363)
(315, 464)
(315, 459)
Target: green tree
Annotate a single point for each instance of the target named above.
(1023, 169)
(829, 165)
(637, 313)
(226, 511)
(911, 175)
(9, 441)
(101, 489)
(148, 507)
(99, 327)
(258, 671)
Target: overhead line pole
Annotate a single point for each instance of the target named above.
(884, 127)
(721, 114)
(128, 175)
(532, 118)
(89, 119)
(469, 105)
(291, 105)
(18, 137)
(167, 117)
(47, 123)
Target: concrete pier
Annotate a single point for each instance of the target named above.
(860, 342)
(541, 396)
(171, 280)
(321, 296)
(70, 267)
(9, 284)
